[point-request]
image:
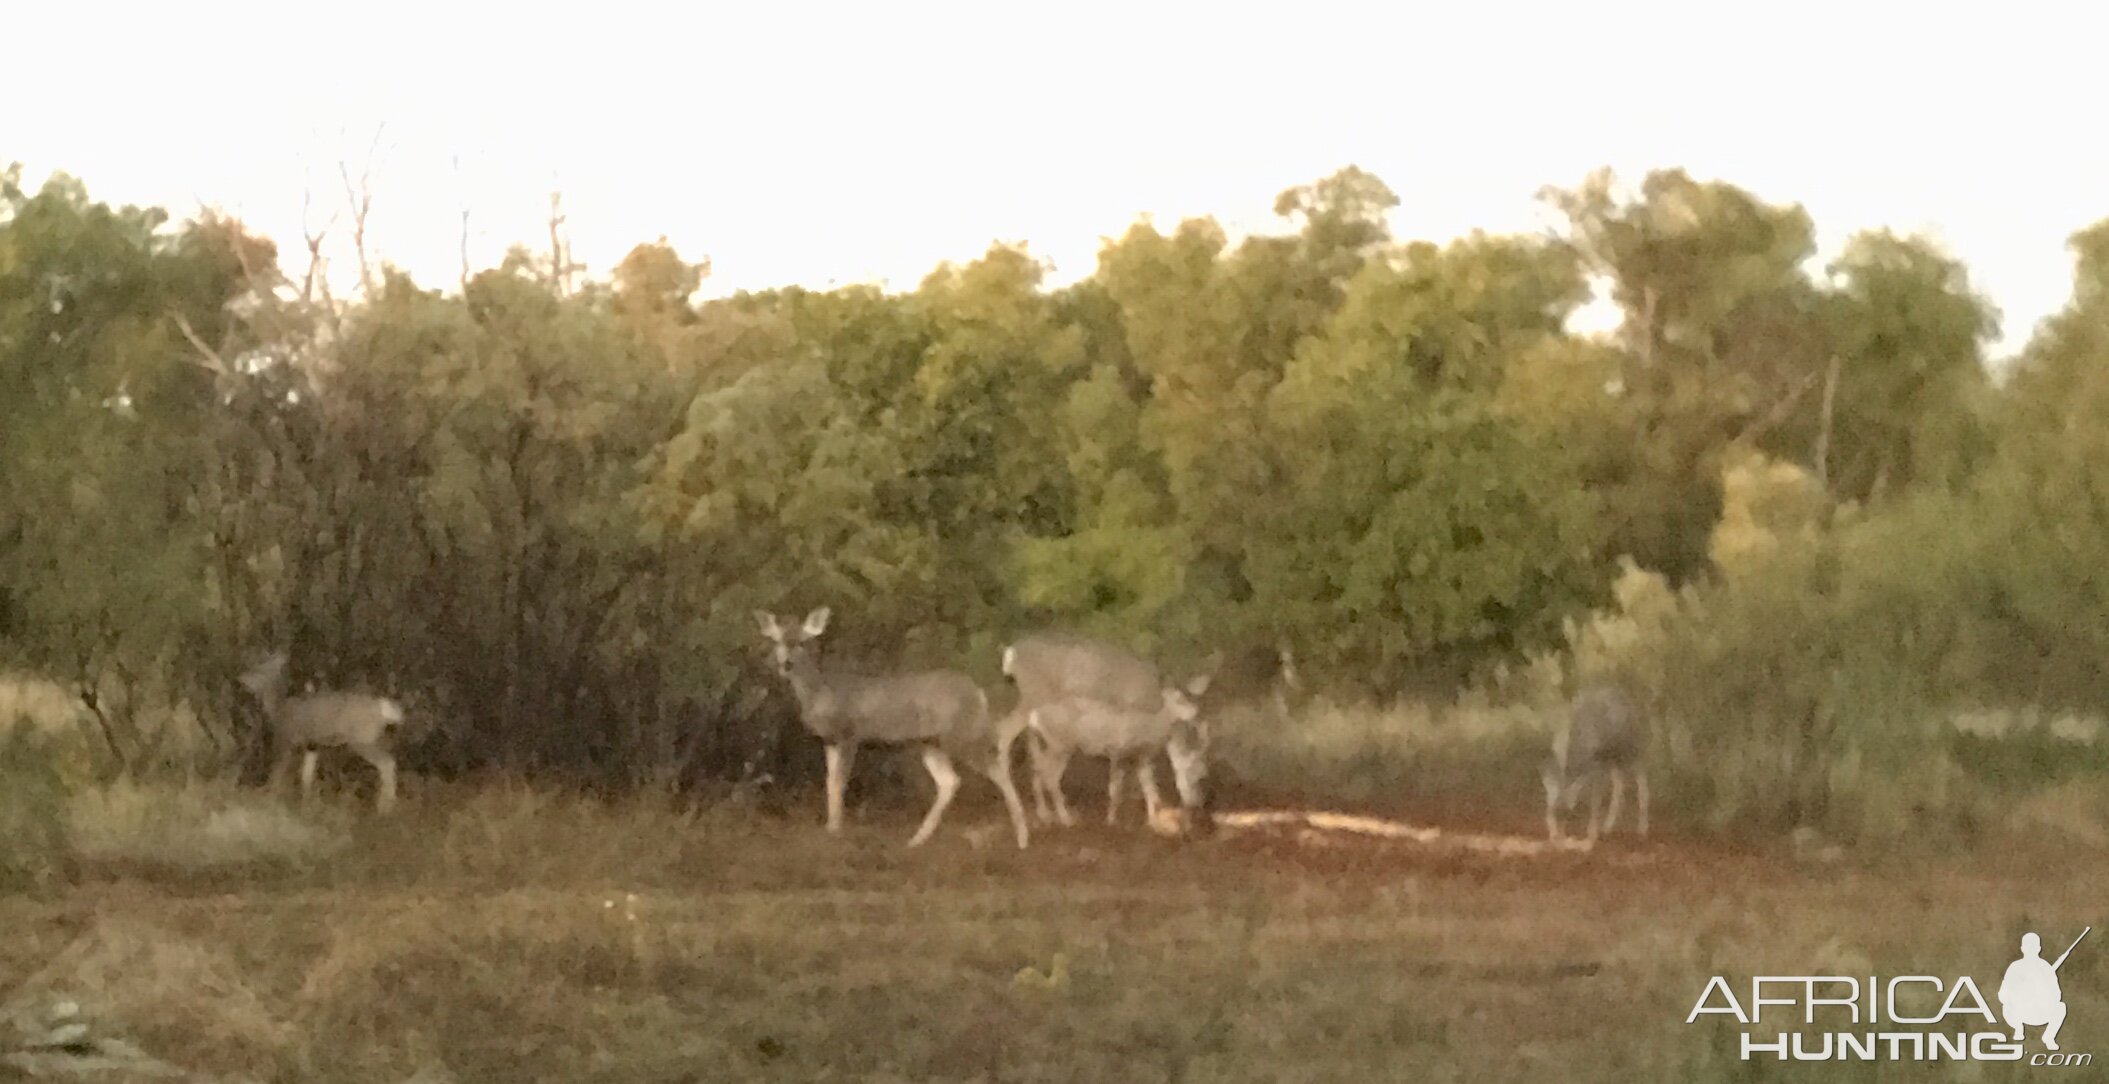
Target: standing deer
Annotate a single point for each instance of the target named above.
(366, 725)
(1129, 740)
(1051, 666)
(942, 711)
(1604, 738)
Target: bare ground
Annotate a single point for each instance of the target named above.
(504, 935)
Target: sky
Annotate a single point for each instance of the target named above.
(826, 144)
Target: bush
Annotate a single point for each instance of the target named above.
(1813, 680)
(32, 808)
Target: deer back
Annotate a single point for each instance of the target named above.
(931, 705)
(1605, 730)
(1097, 728)
(1053, 666)
(339, 718)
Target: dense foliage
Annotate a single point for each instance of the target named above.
(543, 508)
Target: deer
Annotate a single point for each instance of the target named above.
(1129, 740)
(943, 712)
(1049, 666)
(306, 724)
(1604, 738)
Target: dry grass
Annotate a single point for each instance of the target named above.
(505, 932)
(510, 934)
(197, 827)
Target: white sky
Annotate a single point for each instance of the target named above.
(815, 143)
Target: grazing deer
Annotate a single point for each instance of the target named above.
(1052, 666)
(943, 711)
(1604, 738)
(1129, 740)
(366, 725)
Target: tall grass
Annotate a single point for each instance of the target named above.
(33, 837)
(197, 827)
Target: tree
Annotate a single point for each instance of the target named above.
(1908, 334)
(1723, 336)
(650, 301)
(104, 441)
(1428, 533)
(2043, 502)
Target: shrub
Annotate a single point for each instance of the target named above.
(32, 808)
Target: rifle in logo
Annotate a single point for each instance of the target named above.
(2029, 995)
(2068, 949)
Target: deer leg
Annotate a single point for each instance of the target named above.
(1053, 768)
(1596, 809)
(1640, 796)
(1036, 756)
(1618, 798)
(1014, 804)
(384, 763)
(841, 756)
(308, 762)
(1116, 779)
(999, 771)
(941, 771)
(1152, 798)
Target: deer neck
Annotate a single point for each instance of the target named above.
(272, 697)
(809, 684)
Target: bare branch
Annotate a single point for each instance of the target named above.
(464, 224)
(314, 238)
(361, 200)
(559, 250)
(1823, 432)
(360, 197)
(1779, 413)
(208, 358)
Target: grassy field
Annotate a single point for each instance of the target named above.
(505, 934)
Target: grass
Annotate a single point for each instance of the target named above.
(197, 828)
(505, 933)
(502, 931)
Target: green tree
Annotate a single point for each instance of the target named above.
(650, 301)
(2044, 500)
(1908, 335)
(1429, 532)
(1724, 342)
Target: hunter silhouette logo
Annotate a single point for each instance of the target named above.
(2029, 996)
(1871, 1018)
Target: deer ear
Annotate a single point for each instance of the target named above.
(768, 624)
(816, 622)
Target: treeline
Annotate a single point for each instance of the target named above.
(542, 505)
